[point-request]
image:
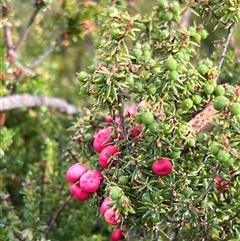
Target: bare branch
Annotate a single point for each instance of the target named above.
(7, 31)
(47, 52)
(25, 100)
(225, 46)
(49, 227)
(27, 28)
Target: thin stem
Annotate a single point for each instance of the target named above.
(54, 218)
(225, 46)
(27, 28)
(7, 30)
(125, 135)
(46, 53)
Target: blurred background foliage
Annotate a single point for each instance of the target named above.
(33, 148)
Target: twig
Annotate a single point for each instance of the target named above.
(125, 135)
(25, 100)
(49, 227)
(7, 31)
(46, 53)
(27, 28)
(225, 46)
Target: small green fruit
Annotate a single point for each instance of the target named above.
(173, 75)
(214, 148)
(147, 118)
(115, 193)
(223, 156)
(82, 76)
(171, 64)
(220, 103)
(154, 126)
(187, 104)
(197, 99)
(202, 69)
(219, 90)
(235, 109)
(208, 89)
(123, 180)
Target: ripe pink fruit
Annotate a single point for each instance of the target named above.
(136, 131)
(99, 175)
(105, 154)
(108, 118)
(89, 182)
(75, 171)
(104, 206)
(117, 234)
(111, 217)
(78, 193)
(102, 139)
(130, 111)
(162, 167)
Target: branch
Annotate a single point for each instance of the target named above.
(49, 227)
(27, 28)
(25, 100)
(225, 46)
(7, 31)
(47, 52)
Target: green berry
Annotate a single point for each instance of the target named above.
(202, 69)
(173, 75)
(171, 64)
(197, 99)
(151, 89)
(175, 154)
(82, 76)
(137, 53)
(123, 180)
(191, 143)
(219, 90)
(235, 109)
(84, 90)
(168, 16)
(208, 63)
(137, 88)
(147, 118)
(115, 193)
(203, 33)
(208, 89)
(201, 137)
(88, 137)
(115, 33)
(154, 126)
(146, 46)
(214, 148)
(164, 34)
(220, 103)
(175, 8)
(223, 156)
(162, 3)
(146, 75)
(187, 104)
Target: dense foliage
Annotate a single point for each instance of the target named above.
(159, 118)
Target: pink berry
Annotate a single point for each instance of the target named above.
(108, 118)
(162, 167)
(102, 139)
(75, 171)
(111, 217)
(105, 205)
(130, 111)
(99, 175)
(105, 154)
(89, 182)
(117, 235)
(136, 131)
(78, 193)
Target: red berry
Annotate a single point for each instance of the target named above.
(136, 130)
(75, 171)
(105, 154)
(117, 234)
(78, 193)
(89, 182)
(99, 175)
(162, 167)
(111, 217)
(104, 206)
